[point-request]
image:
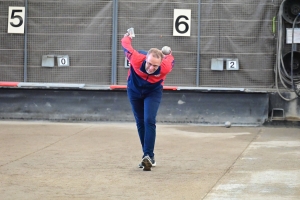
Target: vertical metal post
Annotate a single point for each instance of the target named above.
(25, 42)
(114, 43)
(198, 45)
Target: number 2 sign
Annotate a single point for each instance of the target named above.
(182, 22)
(16, 20)
(232, 64)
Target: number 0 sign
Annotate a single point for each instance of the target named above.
(182, 22)
(16, 20)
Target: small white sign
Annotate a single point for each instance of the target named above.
(16, 20)
(63, 61)
(182, 22)
(289, 34)
(232, 64)
(126, 63)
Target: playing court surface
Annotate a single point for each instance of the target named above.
(50, 160)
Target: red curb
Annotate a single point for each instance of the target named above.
(113, 87)
(9, 84)
(170, 88)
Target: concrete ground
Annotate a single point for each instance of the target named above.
(47, 160)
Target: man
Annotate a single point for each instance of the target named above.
(144, 88)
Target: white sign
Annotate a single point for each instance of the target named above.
(289, 34)
(182, 22)
(127, 63)
(232, 64)
(16, 20)
(63, 61)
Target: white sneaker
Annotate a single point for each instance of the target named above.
(152, 160)
(147, 163)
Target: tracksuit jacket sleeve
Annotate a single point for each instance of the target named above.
(167, 64)
(134, 57)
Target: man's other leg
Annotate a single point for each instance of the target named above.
(151, 105)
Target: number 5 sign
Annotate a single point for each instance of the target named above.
(182, 22)
(16, 20)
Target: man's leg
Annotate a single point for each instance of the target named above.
(151, 105)
(137, 105)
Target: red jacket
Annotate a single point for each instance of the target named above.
(138, 79)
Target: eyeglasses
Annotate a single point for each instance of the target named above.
(155, 66)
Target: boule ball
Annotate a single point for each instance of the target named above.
(227, 124)
(166, 50)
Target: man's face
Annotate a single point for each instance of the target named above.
(152, 64)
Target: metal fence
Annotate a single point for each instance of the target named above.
(89, 32)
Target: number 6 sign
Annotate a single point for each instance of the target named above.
(182, 22)
(16, 20)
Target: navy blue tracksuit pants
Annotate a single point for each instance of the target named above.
(145, 107)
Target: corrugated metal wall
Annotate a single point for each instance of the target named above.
(83, 30)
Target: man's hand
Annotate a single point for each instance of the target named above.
(130, 32)
(127, 35)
